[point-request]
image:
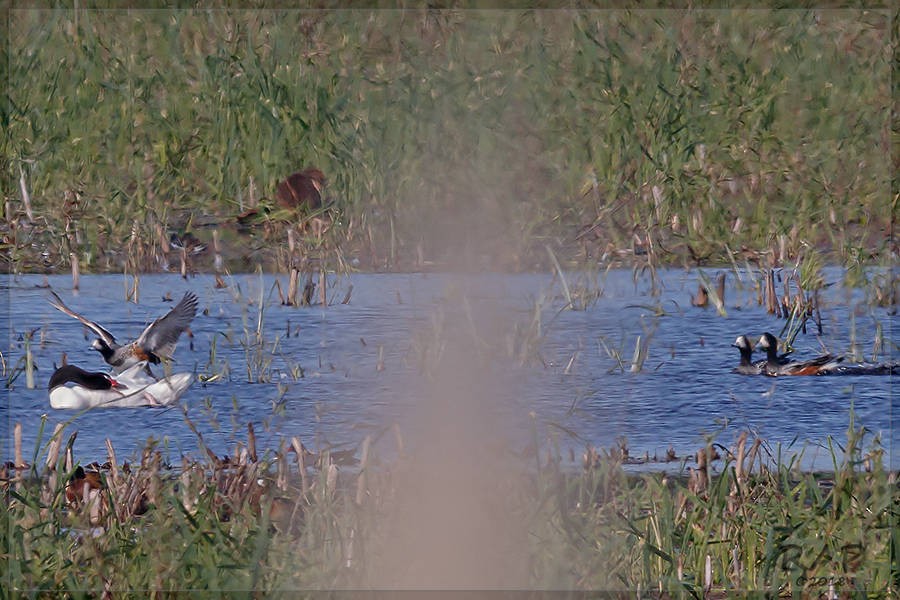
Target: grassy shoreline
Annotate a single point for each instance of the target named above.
(267, 524)
(454, 137)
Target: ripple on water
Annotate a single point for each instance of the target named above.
(363, 366)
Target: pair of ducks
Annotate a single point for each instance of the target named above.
(131, 382)
(775, 365)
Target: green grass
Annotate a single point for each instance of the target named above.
(759, 525)
(448, 136)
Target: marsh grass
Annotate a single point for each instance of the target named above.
(272, 522)
(652, 137)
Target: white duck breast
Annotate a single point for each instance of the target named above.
(132, 388)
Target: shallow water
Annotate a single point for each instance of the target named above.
(371, 363)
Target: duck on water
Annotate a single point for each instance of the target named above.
(72, 387)
(779, 365)
(776, 365)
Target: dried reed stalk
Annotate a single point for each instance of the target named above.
(720, 288)
(308, 289)
(218, 261)
(55, 444)
(251, 442)
(361, 483)
(281, 480)
(739, 473)
(183, 258)
(69, 460)
(29, 363)
(280, 293)
(298, 449)
(771, 298)
(76, 276)
(699, 478)
(26, 197)
(17, 437)
(113, 464)
(292, 288)
(751, 456)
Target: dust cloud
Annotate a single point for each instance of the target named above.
(453, 523)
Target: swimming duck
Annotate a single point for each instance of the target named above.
(157, 341)
(780, 365)
(131, 388)
(746, 366)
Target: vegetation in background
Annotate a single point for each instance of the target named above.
(467, 137)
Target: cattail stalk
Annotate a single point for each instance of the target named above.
(308, 289)
(363, 464)
(218, 261)
(17, 437)
(298, 449)
(55, 444)
(113, 464)
(293, 282)
(771, 297)
(76, 275)
(251, 442)
(29, 363)
(26, 197)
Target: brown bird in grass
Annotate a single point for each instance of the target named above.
(80, 480)
(302, 190)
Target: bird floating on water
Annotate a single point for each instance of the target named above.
(72, 387)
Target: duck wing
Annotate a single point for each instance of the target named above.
(816, 366)
(161, 336)
(100, 331)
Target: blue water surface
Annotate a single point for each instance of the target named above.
(333, 375)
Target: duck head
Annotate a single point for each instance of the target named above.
(78, 376)
(102, 347)
(767, 341)
(743, 343)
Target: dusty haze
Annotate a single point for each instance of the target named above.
(451, 525)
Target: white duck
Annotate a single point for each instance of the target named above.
(133, 387)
